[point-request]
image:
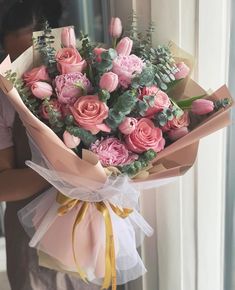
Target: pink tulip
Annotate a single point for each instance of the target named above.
(109, 82)
(115, 27)
(177, 133)
(202, 107)
(70, 141)
(41, 90)
(128, 125)
(124, 46)
(68, 38)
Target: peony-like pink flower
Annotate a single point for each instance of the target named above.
(183, 71)
(41, 90)
(69, 60)
(109, 81)
(71, 86)
(98, 51)
(128, 125)
(90, 113)
(161, 100)
(202, 107)
(56, 106)
(182, 121)
(36, 74)
(126, 67)
(176, 134)
(68, 38)
(112, 152)
(145, 136)
(115, 27)
(124, 46)
(70, 141)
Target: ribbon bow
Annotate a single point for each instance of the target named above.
(67, 204)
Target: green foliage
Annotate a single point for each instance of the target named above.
(161, 57)
(30, 101)
(104, 95)
(121, 108)
(44, 45)
(86, 137)
(138, 165)
(86, 50)
(55, 117)
(219, 104)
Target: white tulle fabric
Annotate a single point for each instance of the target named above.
(52, 234)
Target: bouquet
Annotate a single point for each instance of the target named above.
(104, 122)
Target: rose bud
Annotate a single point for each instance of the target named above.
(124, 46)
(202, 107)
(177, 133)
(115, 27)
(70, 141)
(98, 51)
(41, 90)
(68, 38)
(183, 71)
(109, 82)
(128, 125)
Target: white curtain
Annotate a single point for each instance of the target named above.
(187, 249)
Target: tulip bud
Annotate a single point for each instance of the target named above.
(128, 126)
(109, 82)
(68, 38)
(183, 71)
(98, 51)
(124, 46)
(202, 107)
(177, 133)
(70, 141)
(41, 90)
(115, 27)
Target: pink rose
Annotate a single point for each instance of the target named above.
(35, 75)
(128, 125)
(98, 51)
(68, 38)
(90, 113)
(126, 67)
(115, 27)
(177, 133)
(202, 107)
(41, 90)
(69, 60)
(145, 136)
(124, 46)
(182, 121)
(55, 105)
(109, 82)
(183, 71)
(70, 141)
(71, 86)
(112, 152)
(161, 100)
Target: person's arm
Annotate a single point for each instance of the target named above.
(17, 184)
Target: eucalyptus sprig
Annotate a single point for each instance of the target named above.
(44, 45)
(86, 137)
(30, 101)
(123, 106)
(54, 117)
(143, 162)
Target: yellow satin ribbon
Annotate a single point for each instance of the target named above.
(67, 204)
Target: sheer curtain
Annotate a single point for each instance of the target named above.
(187, 249)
